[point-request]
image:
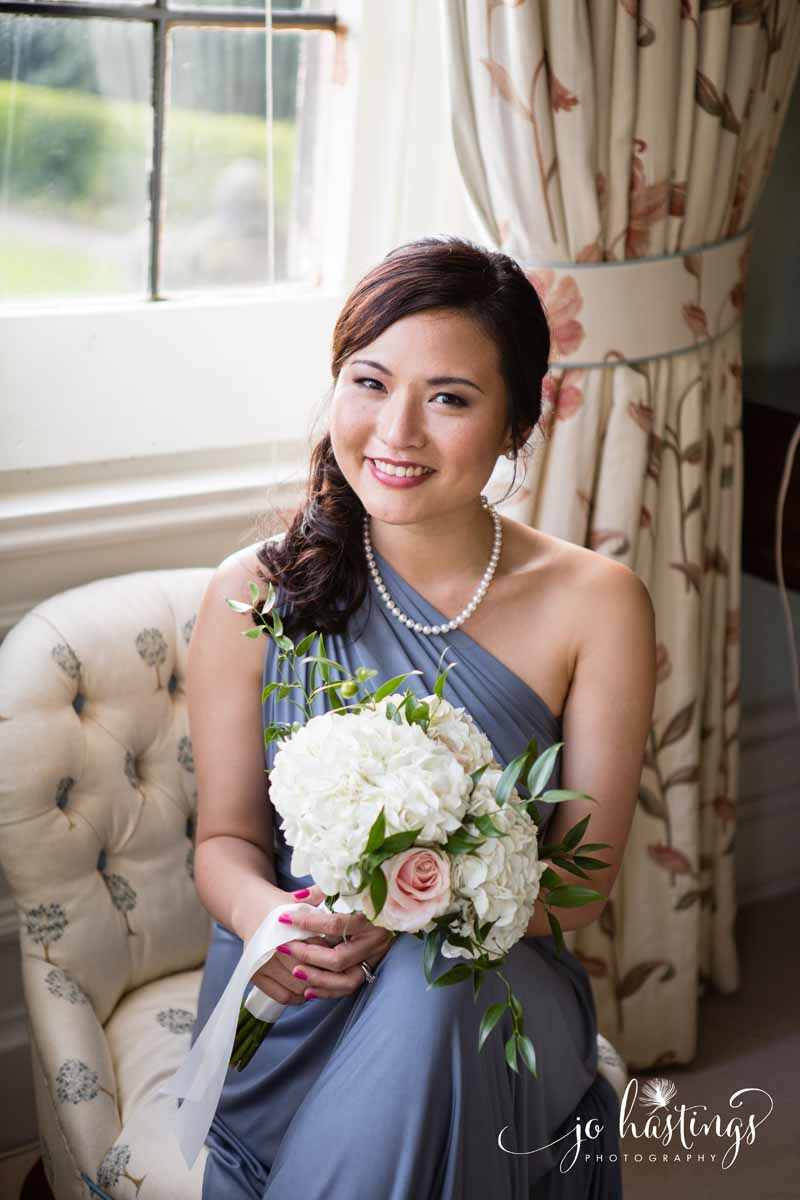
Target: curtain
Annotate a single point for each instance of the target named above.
(617, 149)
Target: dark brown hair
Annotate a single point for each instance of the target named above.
(319, 563)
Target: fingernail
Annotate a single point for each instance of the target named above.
(309, 995)
(299, 973)
(285, 919)
(284, 949)
(301, 895)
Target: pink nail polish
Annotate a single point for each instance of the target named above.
(285, 919)
(302, 893)
(309, 995)
(284, 949)
(299, 973)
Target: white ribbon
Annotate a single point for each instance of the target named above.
(201, 1075)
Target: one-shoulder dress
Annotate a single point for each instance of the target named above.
(383, 1095)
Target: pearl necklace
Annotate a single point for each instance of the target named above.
(417, 626)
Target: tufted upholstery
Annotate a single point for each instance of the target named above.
(97, 804)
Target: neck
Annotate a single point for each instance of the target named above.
(449, 548)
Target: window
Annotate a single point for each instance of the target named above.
(163, 148)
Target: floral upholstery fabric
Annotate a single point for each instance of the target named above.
(97, 812)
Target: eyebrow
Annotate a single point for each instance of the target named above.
(437, 379)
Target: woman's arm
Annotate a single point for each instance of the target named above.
(606, 720)
(234, 872)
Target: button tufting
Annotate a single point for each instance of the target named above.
(63, 789)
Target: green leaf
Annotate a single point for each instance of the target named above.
(573, 896)
(588, 847)
(542, 769)
(433, 941)
(377, 832)
(476, 776)
(319, 662)
(286, 644)
(487, 826)
(302, 647)
(456, 974)
(251, 633)
(556, 795)
(550, 878)
(270, 600)
(527, 1053)
(575, 834)
(238, 605)
(378, 890)
(568, 865)
(508, 780)
(329, 662)
(285, 688)
(399, 842)
(591, 864)
(460, 842)
(533, 812)
(515, 1007)
(488, 1021)
(511, 1053)
(387, 688)
(255, 591)
(555, 929)
(277, 625)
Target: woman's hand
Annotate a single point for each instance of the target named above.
(331, 970)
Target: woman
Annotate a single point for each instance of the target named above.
(370, 1087)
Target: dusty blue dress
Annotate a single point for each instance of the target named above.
(382, 1095)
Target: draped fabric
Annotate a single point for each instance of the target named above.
(592, 135)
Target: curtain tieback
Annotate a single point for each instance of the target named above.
(603, 313)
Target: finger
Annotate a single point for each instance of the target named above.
(274, 976)
(331, 985)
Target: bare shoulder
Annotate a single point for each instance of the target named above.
(215, 640)
(574, 601)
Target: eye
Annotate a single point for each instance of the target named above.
(459, 402)
(367, 379)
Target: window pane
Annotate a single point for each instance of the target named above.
(75, 128)
(311, 5)
(216, 213)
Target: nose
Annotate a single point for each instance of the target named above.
(401, 423)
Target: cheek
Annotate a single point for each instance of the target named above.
(348, 424)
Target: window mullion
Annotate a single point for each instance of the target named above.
(160, 68)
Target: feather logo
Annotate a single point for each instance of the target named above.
(657, 1093)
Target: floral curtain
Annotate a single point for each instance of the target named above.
(617, 149)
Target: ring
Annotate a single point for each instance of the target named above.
(368, 975)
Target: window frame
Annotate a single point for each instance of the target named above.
(162, 19)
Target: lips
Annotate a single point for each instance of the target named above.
(389, 478)
(400, 470)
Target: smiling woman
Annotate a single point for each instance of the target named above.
(438, 312)
(438, 358)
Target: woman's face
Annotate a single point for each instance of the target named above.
(427, 392)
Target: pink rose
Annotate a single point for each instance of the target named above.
(418, 889)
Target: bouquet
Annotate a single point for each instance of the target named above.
(397, 808)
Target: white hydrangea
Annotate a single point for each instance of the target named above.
(330, 780)
(500, 881)
(456, 729)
